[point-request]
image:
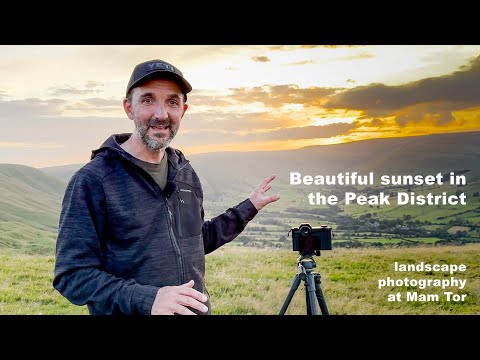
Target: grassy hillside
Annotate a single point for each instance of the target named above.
(26, 239)
(256, 281)
(29, 196)
(30, 204)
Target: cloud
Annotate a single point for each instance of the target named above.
(341, 46)
(93, 84)
(374, 123)
(184, 57)
(203, 99)
(91, 87)
(296, 47)
(307, 132)
(279, 95)
(347, 58)
(219, 135)
(96, 104)
(433, 98)
(260, 59)
(437, 114)
(17, 109)
(302, 62)
(55, 139)
(100, 102)
(233, 122)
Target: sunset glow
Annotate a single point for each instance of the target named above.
(57, 103)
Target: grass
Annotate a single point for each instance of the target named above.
(432, 213)
(26, 239)
(26, 287)
(260, 280)
(244, 280)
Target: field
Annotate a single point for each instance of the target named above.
(246, 280)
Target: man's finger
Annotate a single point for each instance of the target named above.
(191, 302)
(193, 294)
(271, 198)
(182, 310)
(189, 284)
(268, 187)
(266, 181)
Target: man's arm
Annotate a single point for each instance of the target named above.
(79, 261)
(227, 226)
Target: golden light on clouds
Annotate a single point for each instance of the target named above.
(262, 146)
(332, 120)
(245, 98)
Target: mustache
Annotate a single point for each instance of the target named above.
(159, 122)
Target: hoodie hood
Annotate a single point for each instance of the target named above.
(112, 146)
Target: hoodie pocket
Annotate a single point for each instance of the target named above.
(188, 213)
(194, 258)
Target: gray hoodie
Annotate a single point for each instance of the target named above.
(121, 237)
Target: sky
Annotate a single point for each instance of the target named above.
(60, 102)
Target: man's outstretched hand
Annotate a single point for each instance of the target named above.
(258, 198)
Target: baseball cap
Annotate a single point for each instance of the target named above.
(157, 67)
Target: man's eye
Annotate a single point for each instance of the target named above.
(146, 101)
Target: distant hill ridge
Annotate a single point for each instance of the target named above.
(30, 198)
(239, 171)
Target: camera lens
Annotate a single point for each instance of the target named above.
(304, 230)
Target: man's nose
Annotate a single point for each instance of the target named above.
(160, 111)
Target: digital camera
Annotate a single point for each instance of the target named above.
(308, 240)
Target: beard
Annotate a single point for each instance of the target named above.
(158, 141)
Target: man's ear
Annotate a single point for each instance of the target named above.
(185, 107)
(127, 106)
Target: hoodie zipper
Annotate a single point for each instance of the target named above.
(174, 238)
(179, 218)
(159, 192)
(178, 225)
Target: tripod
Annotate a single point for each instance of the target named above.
(306, 264)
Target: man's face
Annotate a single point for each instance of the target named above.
(156, 108)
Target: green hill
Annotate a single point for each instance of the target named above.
(30, 204)
(26, 239)
(62, 172)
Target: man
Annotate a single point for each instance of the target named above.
(132, 237)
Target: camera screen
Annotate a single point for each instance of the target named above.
(309, 244)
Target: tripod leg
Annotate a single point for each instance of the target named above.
(320, 297)
(307, 299)
(310, 289)
(293, 288)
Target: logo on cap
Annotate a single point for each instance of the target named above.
(147, 68)
(159, 65)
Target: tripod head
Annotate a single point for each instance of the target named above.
(309, 253)
(305, 263)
